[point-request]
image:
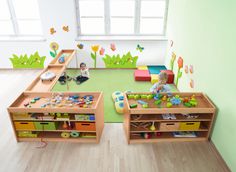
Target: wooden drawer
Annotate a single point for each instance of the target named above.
(189, 126)
(24, 125)
(46, 125)
(169, 126)
(85, 126)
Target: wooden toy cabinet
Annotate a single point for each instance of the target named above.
(27, 128)
(71, 123)
(200, 123)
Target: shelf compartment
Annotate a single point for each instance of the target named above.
(52, 136)
(167, 137)
(179, 117)
(38, 117)
(203, 127)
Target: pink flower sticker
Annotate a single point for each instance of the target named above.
(191, 68)
(102, 51)
(113, 47)
(186, 69)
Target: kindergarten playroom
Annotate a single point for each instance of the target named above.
(117, 85)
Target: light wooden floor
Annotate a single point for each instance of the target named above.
(111, 155)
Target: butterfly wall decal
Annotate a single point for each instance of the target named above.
(52, 30)
(65, 28)
(139, 48)
(80, 46)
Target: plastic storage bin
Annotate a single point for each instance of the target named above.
(189, 126)
(85, 126)
(169, 126)
(24, 125)
(46, 125)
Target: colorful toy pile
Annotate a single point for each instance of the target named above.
(169, 99)
(60, 100)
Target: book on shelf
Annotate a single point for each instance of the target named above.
(184, 134)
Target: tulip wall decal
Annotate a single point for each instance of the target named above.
(113, 47)
(95, 49)
(179, 73)
(102, 51)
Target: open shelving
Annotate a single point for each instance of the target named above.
(138, 120)
(36, 113)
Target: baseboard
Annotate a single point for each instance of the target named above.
(219, 157)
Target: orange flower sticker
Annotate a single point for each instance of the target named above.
(180, 62)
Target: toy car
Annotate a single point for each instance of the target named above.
(47, 76)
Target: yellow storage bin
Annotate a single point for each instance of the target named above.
(189, 126)
(24, 125)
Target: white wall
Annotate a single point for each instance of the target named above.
(56, 13)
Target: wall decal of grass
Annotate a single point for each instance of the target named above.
(116, 61)
(23, 61)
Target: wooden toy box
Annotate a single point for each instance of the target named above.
(201, 125)
(51, 129)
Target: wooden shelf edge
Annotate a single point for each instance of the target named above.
(79, 140)
(168, 140)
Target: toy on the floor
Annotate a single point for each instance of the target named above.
(47, 76)
(117, 94)
(119, 106)
(118, 98)
(64, 78)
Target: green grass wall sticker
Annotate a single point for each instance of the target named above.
(23, 61)
(116, 61)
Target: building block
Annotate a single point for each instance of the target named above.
(156, 69)
(171, 76)
(154, 78)
(142, 75)
(142, 68)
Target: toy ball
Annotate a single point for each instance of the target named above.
(119, 98)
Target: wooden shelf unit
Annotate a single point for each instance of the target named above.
(96, 109)
(43, 89)
(205, 110)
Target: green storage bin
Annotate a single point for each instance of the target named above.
(46, 125)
